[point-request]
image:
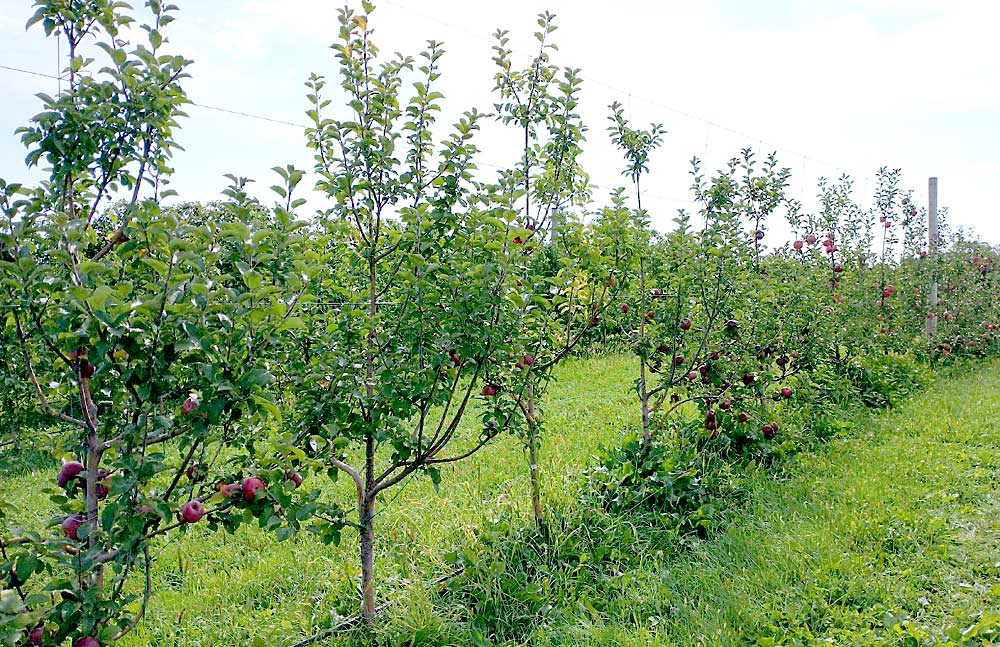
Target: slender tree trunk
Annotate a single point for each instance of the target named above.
(533, 442)
(366, 509)
(93, 460)
(366, 503)
(643, 391)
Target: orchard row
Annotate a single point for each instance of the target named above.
(218, 365)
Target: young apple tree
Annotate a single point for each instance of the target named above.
(564, 277)
(411, 292)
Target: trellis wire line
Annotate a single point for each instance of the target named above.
(675, 199)
(471, 34)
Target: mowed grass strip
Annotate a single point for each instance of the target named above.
(883, 537)
(888, 537)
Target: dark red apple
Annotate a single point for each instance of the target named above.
(71, 526)
(624, 307)
(743, 417)
(490, 390)
(86, 641)
(749, 378)
(294, 477)
(37, 634)
(786, 392)
(726, 405)
(68, 472)
(685, 324)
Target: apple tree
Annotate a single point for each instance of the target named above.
(564, 278)
(410, 287)
(142, 336)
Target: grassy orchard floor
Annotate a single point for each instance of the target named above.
(897, 521)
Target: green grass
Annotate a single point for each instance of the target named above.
(887, 535)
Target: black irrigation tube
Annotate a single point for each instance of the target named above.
(354, 621)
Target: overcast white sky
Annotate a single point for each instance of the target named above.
(833, 87)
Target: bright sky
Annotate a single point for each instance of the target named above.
(833, 87)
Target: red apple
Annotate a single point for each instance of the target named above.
(490, 390)
(193, 511)
(786, 391)
(797, 244)
(726, 405)
(768, 432)
(838, 268)
(251, 486)
(624, 307)
(811, 239)
(189, 405)
(685, 324)
(743, 417)
(528, 360)
(232, 490)
(87, 641)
